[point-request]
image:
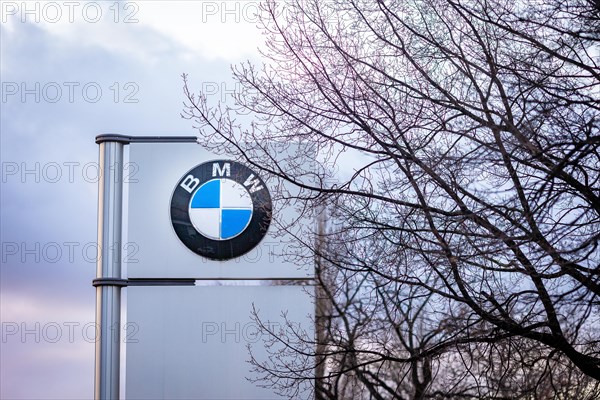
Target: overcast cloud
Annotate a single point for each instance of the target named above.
(71, 71)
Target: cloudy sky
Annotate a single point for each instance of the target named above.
(70, 71)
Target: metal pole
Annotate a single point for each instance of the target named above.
(108, 295)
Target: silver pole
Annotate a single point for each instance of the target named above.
(108, 296)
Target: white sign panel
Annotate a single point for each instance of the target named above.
(190, 342)
(192, 214)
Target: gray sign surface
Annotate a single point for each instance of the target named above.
(191, 342)
(155, 251)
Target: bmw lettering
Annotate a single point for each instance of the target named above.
(221, 209)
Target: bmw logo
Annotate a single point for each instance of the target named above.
(221, 209)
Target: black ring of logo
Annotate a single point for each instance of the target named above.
(243, 242)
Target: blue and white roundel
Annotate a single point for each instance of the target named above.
(220, 209)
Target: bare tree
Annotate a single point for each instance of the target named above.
(383, 339)
(471, 128)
